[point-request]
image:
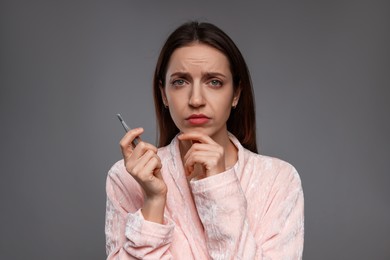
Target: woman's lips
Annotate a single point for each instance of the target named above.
(198, 119)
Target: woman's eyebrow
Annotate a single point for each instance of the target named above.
(214, 74)
(208, 74)
(180, 74)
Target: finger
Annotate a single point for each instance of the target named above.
(126, 141)
(149, 173)
(210, 160)
(199, 147)
(152, 167)
(198, 172)
(142, 148)
(193, 136)
(202, 157)
(140, 164)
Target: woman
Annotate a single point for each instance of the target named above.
(205, 193)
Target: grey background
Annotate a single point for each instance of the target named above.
(321, 75)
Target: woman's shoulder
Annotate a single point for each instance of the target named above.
(267, 161)
(270, 167)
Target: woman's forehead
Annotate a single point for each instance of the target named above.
(198, 57)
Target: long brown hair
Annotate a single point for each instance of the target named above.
(242, 120)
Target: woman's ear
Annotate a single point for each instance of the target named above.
(236, 97)
(163, 95)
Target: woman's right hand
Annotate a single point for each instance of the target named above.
(143, 163)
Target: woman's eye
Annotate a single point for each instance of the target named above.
(215, 83)
(178, 82)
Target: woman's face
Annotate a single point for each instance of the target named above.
(199, 90)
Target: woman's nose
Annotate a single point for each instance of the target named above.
(196, 96)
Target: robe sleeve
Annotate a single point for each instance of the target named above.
(222, 208)
(128, 234)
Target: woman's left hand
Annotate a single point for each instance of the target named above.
(204, 153)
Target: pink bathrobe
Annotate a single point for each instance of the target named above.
(253, 210)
